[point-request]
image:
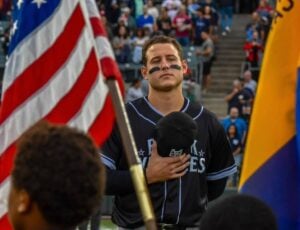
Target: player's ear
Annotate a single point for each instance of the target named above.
(144, 72)
(184, 66)
(23, 201)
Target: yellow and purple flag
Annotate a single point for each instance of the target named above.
(271, 168)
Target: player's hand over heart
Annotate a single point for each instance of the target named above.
(165, 168)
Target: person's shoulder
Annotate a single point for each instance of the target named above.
(193, 109)
(253, 82)
(241, 121)
(225, 119)
(140, 102)
(247, 92)
(209, 115)
(210, 41)
(197, 110)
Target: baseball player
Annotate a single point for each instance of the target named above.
(180, 186)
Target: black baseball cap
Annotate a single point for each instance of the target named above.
(175, 133)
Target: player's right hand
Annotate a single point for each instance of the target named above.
(165, 168)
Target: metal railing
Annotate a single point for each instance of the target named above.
(195, 63)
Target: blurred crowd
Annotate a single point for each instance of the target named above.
(194, 23)
(241, 97)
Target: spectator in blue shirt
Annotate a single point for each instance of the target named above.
(234, 119)
(145, 19)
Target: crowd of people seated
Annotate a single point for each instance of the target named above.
(257, 31)
(194, 23)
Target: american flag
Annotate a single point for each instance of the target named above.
(59, 57)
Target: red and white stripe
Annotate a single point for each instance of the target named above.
(55, 75)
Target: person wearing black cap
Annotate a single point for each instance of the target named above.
(182, 146)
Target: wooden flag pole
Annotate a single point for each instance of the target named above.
(135, 166)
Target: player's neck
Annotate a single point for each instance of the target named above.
(166, 102)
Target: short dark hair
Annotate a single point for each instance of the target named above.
(161, 39)
(61, 170)
(238, 212)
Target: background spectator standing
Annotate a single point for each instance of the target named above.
(145, 19)
(192, 8)
(164, 22)
(191, 89)
(249, 82)
(266, 14)
(172, 6)
(211, 3)
(156, 31)
(206, 53)
(101, 8)
(266, 26)
(240, 98)
(256, 36)
(112, 11)
(134, 91)
(226, 11)
(236, 147)
(152, 10)
(208, 16)
(253, 51)
(138, 7)
(254, 25)
(137, 44)
(236, 129)
(264, 9)
(234, 119)
(128, 20)
(200, 23)
(121, 44)
(213, 20)
(183, 25)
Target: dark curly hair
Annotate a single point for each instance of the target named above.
(161, 39)
(237, 212)
(61, 170)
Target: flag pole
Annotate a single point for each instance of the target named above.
(136, 170)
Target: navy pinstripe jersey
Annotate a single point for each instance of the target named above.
(180, 201)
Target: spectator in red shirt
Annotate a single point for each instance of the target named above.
(183, 25)
(253, 49)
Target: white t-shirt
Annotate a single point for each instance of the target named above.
(133, 93)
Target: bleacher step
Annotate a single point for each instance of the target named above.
(227, 67)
